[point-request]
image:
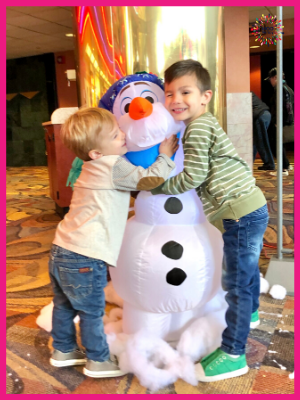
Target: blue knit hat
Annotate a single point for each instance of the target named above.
(108, 99)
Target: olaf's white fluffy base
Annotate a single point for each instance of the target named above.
(278, 292)
(155, 362)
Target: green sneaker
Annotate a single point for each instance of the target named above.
(254, 320)
(220, 365)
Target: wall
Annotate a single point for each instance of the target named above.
(236, 21)
(239, 100)
(30, 88)
(255, 75)
(67, 95)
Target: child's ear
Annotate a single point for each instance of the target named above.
(207, 96)
(95, 154)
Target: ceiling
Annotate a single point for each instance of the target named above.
(256, 12)
(36, 30)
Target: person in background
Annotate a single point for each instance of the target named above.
(261, 122)
(287, 116)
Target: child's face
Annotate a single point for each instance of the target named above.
(184, 100)
(112, 143)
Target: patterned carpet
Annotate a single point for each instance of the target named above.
(31, 223)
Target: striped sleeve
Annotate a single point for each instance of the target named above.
(198, 141)
(126, 176)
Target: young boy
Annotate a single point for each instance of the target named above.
(91, 233)
(227, 189)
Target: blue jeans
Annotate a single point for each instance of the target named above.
(261, 140)
(78, 284)
(243, 241)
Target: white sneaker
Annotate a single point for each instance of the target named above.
(285, 172)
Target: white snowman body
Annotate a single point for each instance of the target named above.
(170, 264)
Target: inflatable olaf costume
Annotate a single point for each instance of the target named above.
(170, 264)
(169, 268)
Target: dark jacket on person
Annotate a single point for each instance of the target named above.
(258, 106)
(287, 105)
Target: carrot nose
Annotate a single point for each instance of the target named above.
(140, 108)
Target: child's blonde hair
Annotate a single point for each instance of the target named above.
(81, 129)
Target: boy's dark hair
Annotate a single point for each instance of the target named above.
(189, 67)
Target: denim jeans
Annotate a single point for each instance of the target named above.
(243, 241)
(78, 284)
(261, 140)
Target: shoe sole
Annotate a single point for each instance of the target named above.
(103, 374)
(254, 324)
(227, 375)
(67, 363)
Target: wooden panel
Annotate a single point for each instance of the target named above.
(64, 159)
(60, 161)
(51, 160)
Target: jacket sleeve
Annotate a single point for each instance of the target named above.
(274, 107)
(196, 162)
(126, 176)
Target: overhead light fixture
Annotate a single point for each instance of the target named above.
(254, 47)
(70, 34)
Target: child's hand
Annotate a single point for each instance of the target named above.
(169, 146)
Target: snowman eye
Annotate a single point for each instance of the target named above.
(124, 105)
(150, 96)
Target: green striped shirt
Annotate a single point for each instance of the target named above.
(222, 179)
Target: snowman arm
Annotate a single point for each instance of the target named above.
(196, 163)
(127, 176)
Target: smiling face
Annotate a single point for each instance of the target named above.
(147, 90)
(184, 100)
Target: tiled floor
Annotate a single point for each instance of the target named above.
(31, 223)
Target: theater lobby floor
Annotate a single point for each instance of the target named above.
(31, 223)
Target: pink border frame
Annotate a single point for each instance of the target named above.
(3, 119)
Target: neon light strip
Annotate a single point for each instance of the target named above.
(79, 8)
(81, 18)
(86, 19)
(84, 25)
(105, 25)
(99, 29)
(123, 73)
(96, 39)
